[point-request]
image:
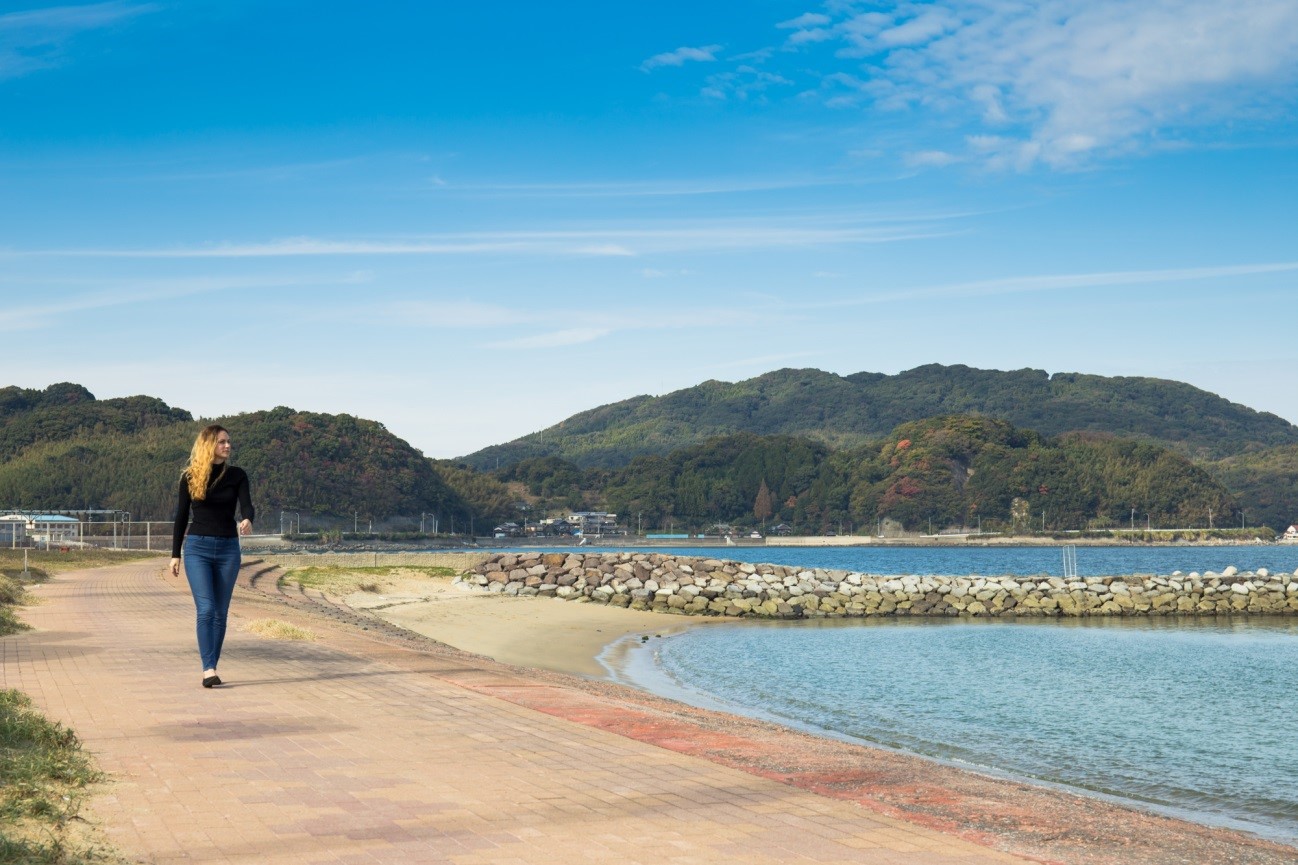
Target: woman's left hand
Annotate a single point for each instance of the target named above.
(245, 527)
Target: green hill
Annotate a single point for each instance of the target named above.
(846, 411)
(1266, 484)
(1091, 450)
(946, 471)
(67, 450)
(64, 411)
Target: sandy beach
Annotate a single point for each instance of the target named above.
(548, 634)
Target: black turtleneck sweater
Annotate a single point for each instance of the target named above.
(214, 515)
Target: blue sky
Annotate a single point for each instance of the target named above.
(470, 221)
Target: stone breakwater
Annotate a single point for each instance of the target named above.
(712, 587)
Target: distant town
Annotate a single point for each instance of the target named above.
(113, 528)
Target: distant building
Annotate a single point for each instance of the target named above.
(558, 526)
(41, 528)
(595, 523)
(1290, 535)
(13, 528)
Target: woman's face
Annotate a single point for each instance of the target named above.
(222, 446)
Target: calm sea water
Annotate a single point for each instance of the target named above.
(996, 561)
(1195, 717)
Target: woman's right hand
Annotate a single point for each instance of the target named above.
(175, 567)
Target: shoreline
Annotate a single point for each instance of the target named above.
(613, 647)
(276, 546)
(635, 667)
(541, 633)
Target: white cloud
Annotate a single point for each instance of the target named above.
(453, 314)
(808, 28)
(655, 273)
(1067, 81)
(746, 82)
(548, 243)
(802, 22)
(60, 299)
(805, 37)
(36, 39)
(1071, 281)
(930, 159)
(680, 56)
(738, 233)
(555, 339)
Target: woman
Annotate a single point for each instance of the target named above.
(210, 488)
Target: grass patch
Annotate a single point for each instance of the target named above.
(276, 629)
(44, 777)
(12, 593)
(44, 774)
(344, 581)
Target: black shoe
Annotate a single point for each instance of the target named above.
(211, 681)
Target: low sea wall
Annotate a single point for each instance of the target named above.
(460, 561)
(713, 587)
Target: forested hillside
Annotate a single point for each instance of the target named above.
(1266, 484)
(935, 473)
(68, 450)
(847, 411)
(64, 411)
(61, 448)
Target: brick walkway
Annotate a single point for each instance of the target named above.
(356, 750)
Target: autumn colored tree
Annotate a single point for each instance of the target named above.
(763, 507)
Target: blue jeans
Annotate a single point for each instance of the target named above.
(211, 566)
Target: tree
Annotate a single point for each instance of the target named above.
(763, 507)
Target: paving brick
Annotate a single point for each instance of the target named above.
(358, 750)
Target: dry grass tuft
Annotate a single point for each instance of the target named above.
(279, 630)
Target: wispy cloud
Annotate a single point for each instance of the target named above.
(681, 56)
(930, 159)
(656, 273)
(555, 339)
(37, 39)
(60, 299)
(807, 28)
(535, 323)
(593, 242)
(764, 363)
(664, 188)
(454, 314)
(744, 83)
(1061, 82)
(1070, 281)
(554, 243)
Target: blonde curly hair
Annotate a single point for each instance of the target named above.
(198, 472)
